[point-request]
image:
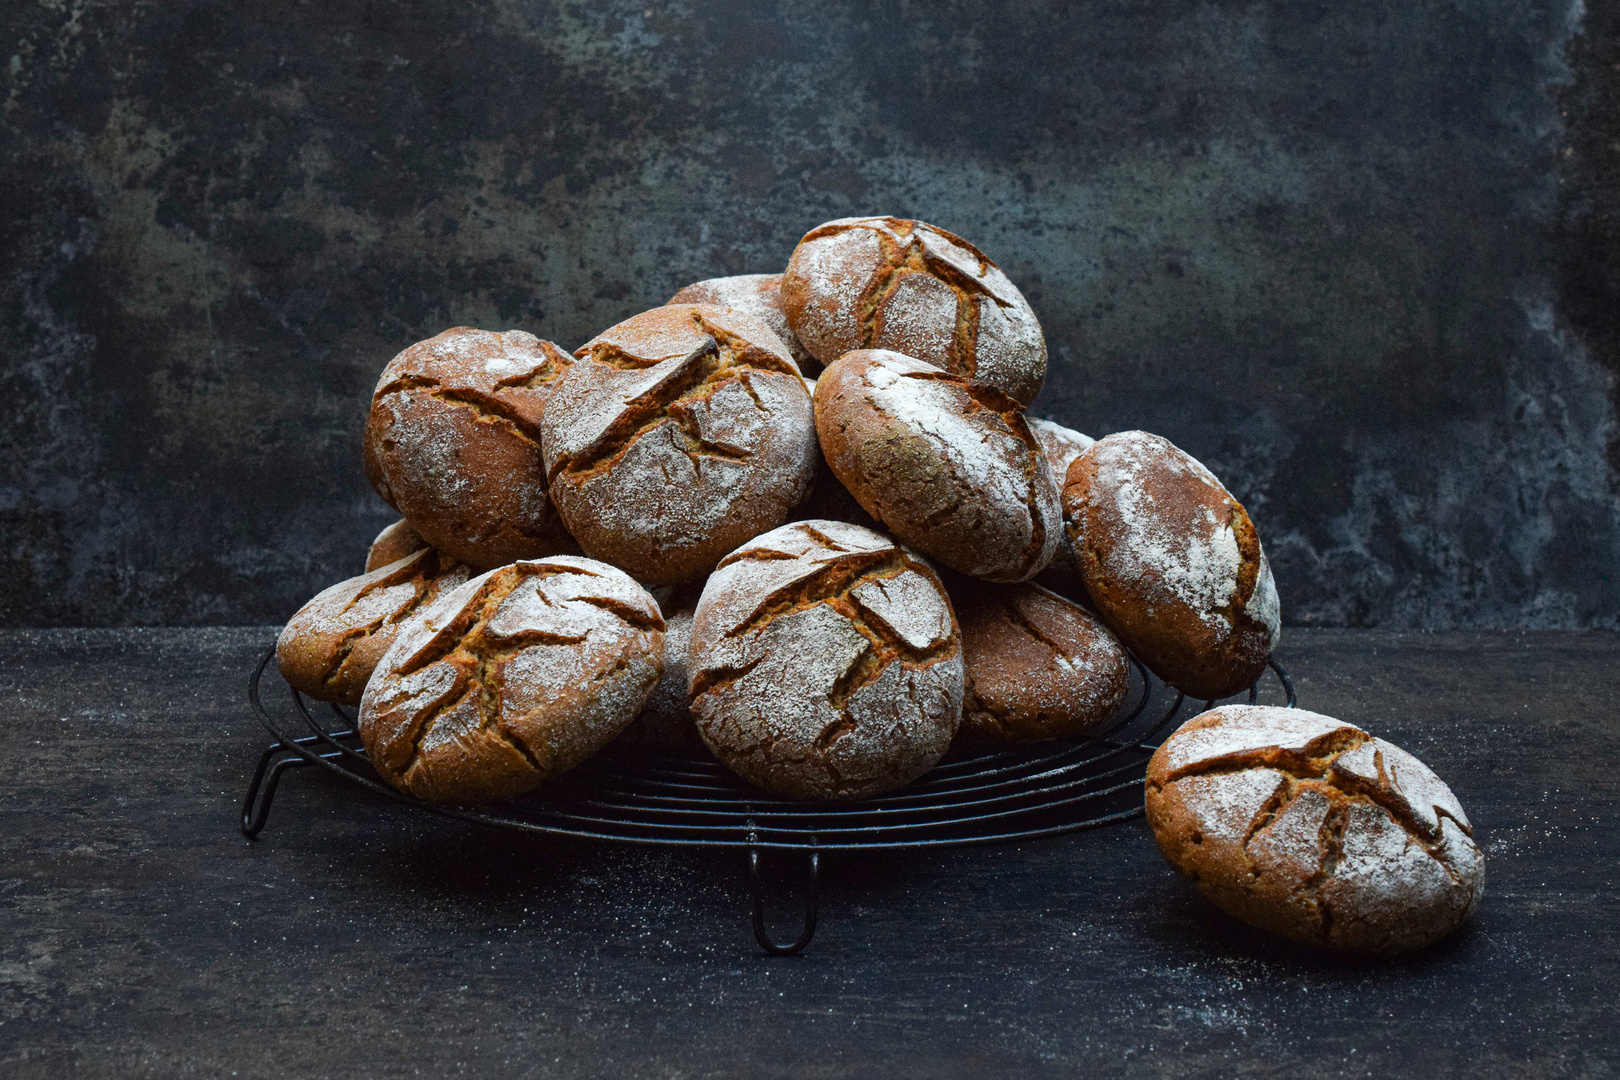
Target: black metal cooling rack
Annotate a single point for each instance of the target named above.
(634, 795)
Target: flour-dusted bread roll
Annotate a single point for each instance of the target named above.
(826, 663)
(1061, 445)
(1038, 666)
(665, 721)
(1173, 563)
(516, 676)
(755, 295)
(329, 648)
(948, 465)
(453, 444)
(393, 544)
(890, 283)
(1306, 826)
(676, 436)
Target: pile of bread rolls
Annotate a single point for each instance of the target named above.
(797, 521)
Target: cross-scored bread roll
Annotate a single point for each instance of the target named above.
(758, 296)
(1038, 666)
(1173, 563)
(948, 465)
(826, 663)
(393, 544)
(516, 676)
(453, 444)
(890, 283)
(676, 436)
(329, 647)
(1313, 829)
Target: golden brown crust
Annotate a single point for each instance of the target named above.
(758, 296)
(452, 443)
(1311, 828)
(516, 676)
(946, 464)
(1172, 562)
(393, 544)
(1037, 665)
(678, 435)
(329, 648)
(892, 283)
(826, 663)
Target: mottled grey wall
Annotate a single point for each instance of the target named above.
(1358, 256)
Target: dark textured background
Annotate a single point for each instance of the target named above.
(1359, 257)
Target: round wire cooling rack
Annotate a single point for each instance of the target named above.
(631, 794)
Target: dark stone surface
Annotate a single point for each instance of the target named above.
(1362, 258)
(140, 935)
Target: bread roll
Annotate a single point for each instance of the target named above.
(1037, 666)
(826, 663)
(515, 677)
(1173, 563)
(1061, 445)
(665, 721)
(946, 464)
(676, 436)
(453, 441)
(758, 296)
(890, 283)
(1311, 828)
(393, 544)
(329, 647)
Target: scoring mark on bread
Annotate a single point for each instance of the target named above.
(429, 584)
(359, 632)
(720, 359)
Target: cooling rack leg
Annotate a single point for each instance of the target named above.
(811, 900)
(262, 789)
(1288, 684)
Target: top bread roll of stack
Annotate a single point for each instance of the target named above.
(536, 486)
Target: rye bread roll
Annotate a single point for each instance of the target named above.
(826, 663)
(665, 721)
(947, 464)
(758, 296)
(1311, 828)
(393, 544)
(1037, 666)
(1173, 563)
(518, 675)
(890, 283)
(1062, 445)
(676, 436)
(329, 647)
(453, 444)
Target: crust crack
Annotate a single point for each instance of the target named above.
(427, 589)
(1316, 763)
(492, 408)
